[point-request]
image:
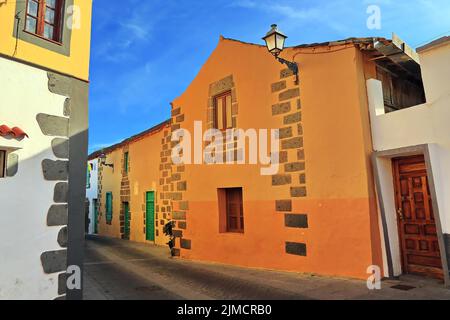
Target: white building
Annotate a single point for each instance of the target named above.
(412, 170)
(91, 195)
(44, 89)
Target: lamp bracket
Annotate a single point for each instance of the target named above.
(291, 65)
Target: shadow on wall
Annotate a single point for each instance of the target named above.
(36, 244)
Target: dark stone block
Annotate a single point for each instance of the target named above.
(292, 118)
(298, 249)
(185, 244)
(54, 261)
(59, 84)
(55, 170)
(53, 125)
(61, 192)
(283, 205)
(12, 164)
(57, 216)
(62, 283)
(176, 112)
(293, 143)
(183, 205)
(294, 166)
(285, 133)
(62, 237)
(286, 73)
(296, 221)
(60, 148)
(298, 192)
(281, 179)
(289, 94)
(281, 108)
(302, 178)
(66, 110)
(278, 86)
(221, 86)
(177, 233)
(182, 186)
(179, 215)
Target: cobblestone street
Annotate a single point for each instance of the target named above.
(122, 270)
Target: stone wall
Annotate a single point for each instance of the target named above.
(292, 173)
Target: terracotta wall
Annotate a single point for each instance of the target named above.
(324, 182)
(317, 214)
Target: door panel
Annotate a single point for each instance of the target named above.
(150, 216)
(416, 224)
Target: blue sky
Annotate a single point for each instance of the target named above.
(146, 52)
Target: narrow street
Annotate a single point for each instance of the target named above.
(122, 270)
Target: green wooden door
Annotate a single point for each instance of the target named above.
(150, 216)
(126, 211)
(95, 204)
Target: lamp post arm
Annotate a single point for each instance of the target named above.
(291, 65)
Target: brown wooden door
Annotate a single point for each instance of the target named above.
(416, 224)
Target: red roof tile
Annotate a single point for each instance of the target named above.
(15, 132)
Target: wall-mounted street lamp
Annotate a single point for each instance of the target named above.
(275, 40)
(102, 158)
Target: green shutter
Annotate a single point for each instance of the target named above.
(125, 162)
(109, 208)
(126, 209)
(150, 216)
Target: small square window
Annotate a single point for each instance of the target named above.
(231, 210)
(2, 163)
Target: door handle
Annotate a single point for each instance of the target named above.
(400, 214)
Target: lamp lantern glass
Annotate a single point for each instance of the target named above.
(275, 40)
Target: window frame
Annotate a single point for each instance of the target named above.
(240, 217)
(225, 125)
(3, 155)
(41, 22)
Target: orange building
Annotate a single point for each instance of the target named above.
(318, 213)
(127, 187)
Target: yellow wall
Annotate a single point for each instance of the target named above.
(77, 64)
(110, 181)
(144, 177)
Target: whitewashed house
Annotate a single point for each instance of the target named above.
(44, 89)
(92, 194)
(412, 169)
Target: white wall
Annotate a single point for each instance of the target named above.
(26, 198)
(422, 124)
(91, 193)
